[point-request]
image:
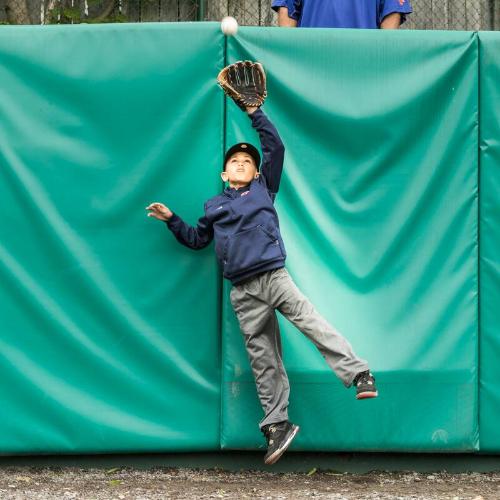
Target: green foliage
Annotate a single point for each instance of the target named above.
(71, 13)
(112, 18)
(63, 13)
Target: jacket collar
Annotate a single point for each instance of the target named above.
(235, 193)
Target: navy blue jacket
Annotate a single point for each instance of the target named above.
(243, 221)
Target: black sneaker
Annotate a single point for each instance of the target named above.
(365, 385)
(279, 437)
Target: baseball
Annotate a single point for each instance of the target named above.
(229, 26)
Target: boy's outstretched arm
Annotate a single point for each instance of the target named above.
(193, 237)
(273, 150)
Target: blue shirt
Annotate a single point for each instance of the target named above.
(342, 13)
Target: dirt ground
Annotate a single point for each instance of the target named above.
(127, 483)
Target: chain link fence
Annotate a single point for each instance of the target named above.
(427, 14)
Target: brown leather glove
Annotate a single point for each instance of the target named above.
(245, 83)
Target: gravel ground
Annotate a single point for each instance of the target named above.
(127, 483)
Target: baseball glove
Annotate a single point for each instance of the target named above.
(245, 83)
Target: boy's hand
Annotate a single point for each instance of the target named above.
(159, 211)
(251, 109)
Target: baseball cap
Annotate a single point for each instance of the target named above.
(243, 147)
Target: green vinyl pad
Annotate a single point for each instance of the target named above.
(100, 349)
(115, 338)
(489, 211)
(378, 210)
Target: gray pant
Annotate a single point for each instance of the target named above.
(255, 303)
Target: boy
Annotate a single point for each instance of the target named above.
(250, 250)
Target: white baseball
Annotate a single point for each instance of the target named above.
(229, 26)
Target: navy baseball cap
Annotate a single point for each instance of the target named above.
(243, 147)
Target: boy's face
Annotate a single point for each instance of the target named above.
(240, 169)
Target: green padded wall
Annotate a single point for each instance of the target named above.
(100, 349)
(110, 330)
(489, 50)
(378, 207)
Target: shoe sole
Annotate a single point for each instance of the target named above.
(277, 454)
(367, 394)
